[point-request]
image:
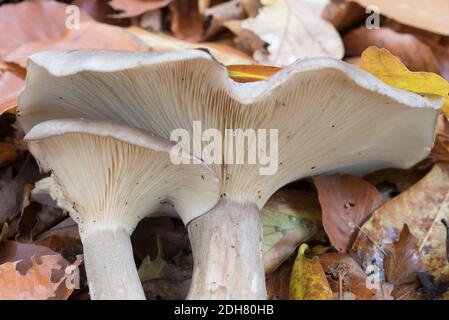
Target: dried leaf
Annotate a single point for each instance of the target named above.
(382, 64)
(294, 30)
(134, 8)
(345, 275)
(429, 15)
(161, 42)
(344, 15)
(347, 201)
(153, 269)
(250, 73)
(308, 281)
(186, 20)
(402, 261)
(8, 153)
(289, 218)
(91, 36)
(29, 21)
(421, 207)
(278, 282)
(414, 53)
(10, 87)
(37, 283)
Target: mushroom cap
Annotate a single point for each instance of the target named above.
(330, 116)
(111, 174)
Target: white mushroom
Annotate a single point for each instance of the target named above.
(109, 177)
(329, 117)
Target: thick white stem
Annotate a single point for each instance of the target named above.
(226, 244)
(110, 267)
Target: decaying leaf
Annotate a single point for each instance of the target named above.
(421, 207)
(186, 20)
(90, 36)
(8, 153)
(10, 87)
(30, 21)
(29, 271)
(289, 218)
(161, 42)
(293, 29)
(308, 281)
(382, 64)
(347, 201)
(414, 53)
(153, 269)
(429, 15)
(250, 73)
(278, 281)
(402, 260)
(345, 276)
(134, 8)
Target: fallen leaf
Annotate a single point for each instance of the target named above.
(160, 42)
(429, 15)
(8, 153)
(344, 15)
(421, 207)
(402, 260)
(433, 288)
(398, 180)
(345, 275)
(153, 269)
(246, 40)
(186, 20)
(289, 218)
(29, 21)
(278, 282)
(308, 281)
(346, 201)
(37, 283)
(216, 16)
(90, 36)
(10, 87)
(294, 30)
(134, 8)
(250, 73)
(385, 66)
(414, 53)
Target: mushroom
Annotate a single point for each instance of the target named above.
(324, 116)
(109, 177)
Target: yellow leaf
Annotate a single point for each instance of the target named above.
(250, 73)
(308, 281)
(385, 66)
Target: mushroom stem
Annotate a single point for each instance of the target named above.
(110, 265)
(226, 244)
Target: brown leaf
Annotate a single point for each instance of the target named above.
(345, 275)
(402, 261)
(134, 8)
(37, 283)
(278, 282)
(346, 201)
(344, 15)
(160, 42)
(216, 16)
(30, 21)
(91, 36)
(294, 30)
(8, 153)
(10, 87)
(414, 53)
(429, 15)
(186, 20)
(421, 207)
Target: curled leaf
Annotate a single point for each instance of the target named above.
(308, 281)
